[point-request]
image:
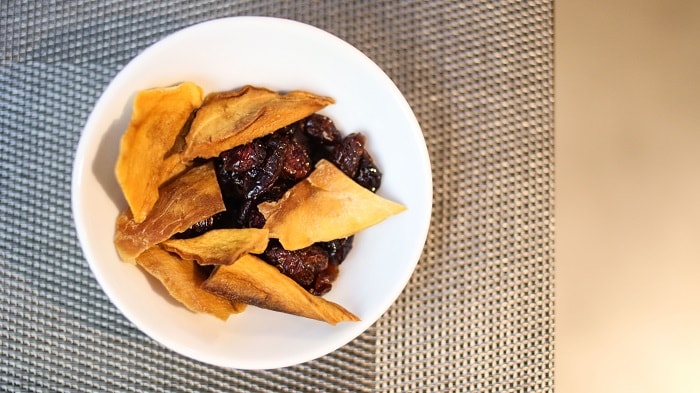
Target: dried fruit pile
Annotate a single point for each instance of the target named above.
(251, 182)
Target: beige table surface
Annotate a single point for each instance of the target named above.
(628, 185)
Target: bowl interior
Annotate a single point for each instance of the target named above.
(283, 55)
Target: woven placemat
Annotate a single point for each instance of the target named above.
(477, 314)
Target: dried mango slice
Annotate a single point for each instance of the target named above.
(326, 205)
(186, 200)
(229, 119)
(183, 280)
(252, 281)
(149, 154)
(220, 246)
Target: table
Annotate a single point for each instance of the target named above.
(478, 312)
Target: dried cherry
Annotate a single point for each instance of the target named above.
(322, 129)
(324, 280)
(368, 175)
(243, 158)
(270, 170)
(297, 163)
(301, 265)
(338, 249)
(347, 154)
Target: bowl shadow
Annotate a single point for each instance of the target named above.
(106, 157)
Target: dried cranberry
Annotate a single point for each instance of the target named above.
(277, 190)
(347, 154)
(297, 164)
(338, 249)
(300, 265)
(244, 211)
(324, 280)
(368, 175)
(322, 129)
(230, 183)
(255, 219)
(243, 158)
(270, 171)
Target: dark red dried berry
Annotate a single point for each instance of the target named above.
(324, 280)
(368, 175)
(230, 183)
(243, 158)
(270, 171)
(300, 265)
(247, 212)
(297, 164)
(347, 154)
(338, 249)
(321, 129)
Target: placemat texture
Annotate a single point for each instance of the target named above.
(477, 314)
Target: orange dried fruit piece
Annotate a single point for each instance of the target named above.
(184, 201)
(183, 280)
(219, 246)
(251, 280)
(327, 205)
(149, 152)
(229, 119)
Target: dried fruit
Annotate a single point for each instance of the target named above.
(220, 246)
(297, 163)
(301, 265)
(210, 187)
(347, 154)
(338, 249)
(251, 281)
(217, 221)
(183, 280)
(244, 157)
(368, 175)
(325, 206)
(324, 280)
(234, 118)
(322, 130)
(149, 153)
(188, 199)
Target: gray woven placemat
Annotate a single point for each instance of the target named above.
(477, 314)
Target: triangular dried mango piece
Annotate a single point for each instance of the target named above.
(186, 200)
(252, 281)
(183, 280)
(220, 246)
(148, 154)
(229, 119)
(325, 206)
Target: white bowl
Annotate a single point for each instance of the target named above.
(283, 55)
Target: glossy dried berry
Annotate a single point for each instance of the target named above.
(230, 183)
(247, 214)
(368, 175)
(321, 129)
(270, 171)
(338, 249)
(243, 158)
(300, 265)
(297, 163)
(324, 280)
(347, 154)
